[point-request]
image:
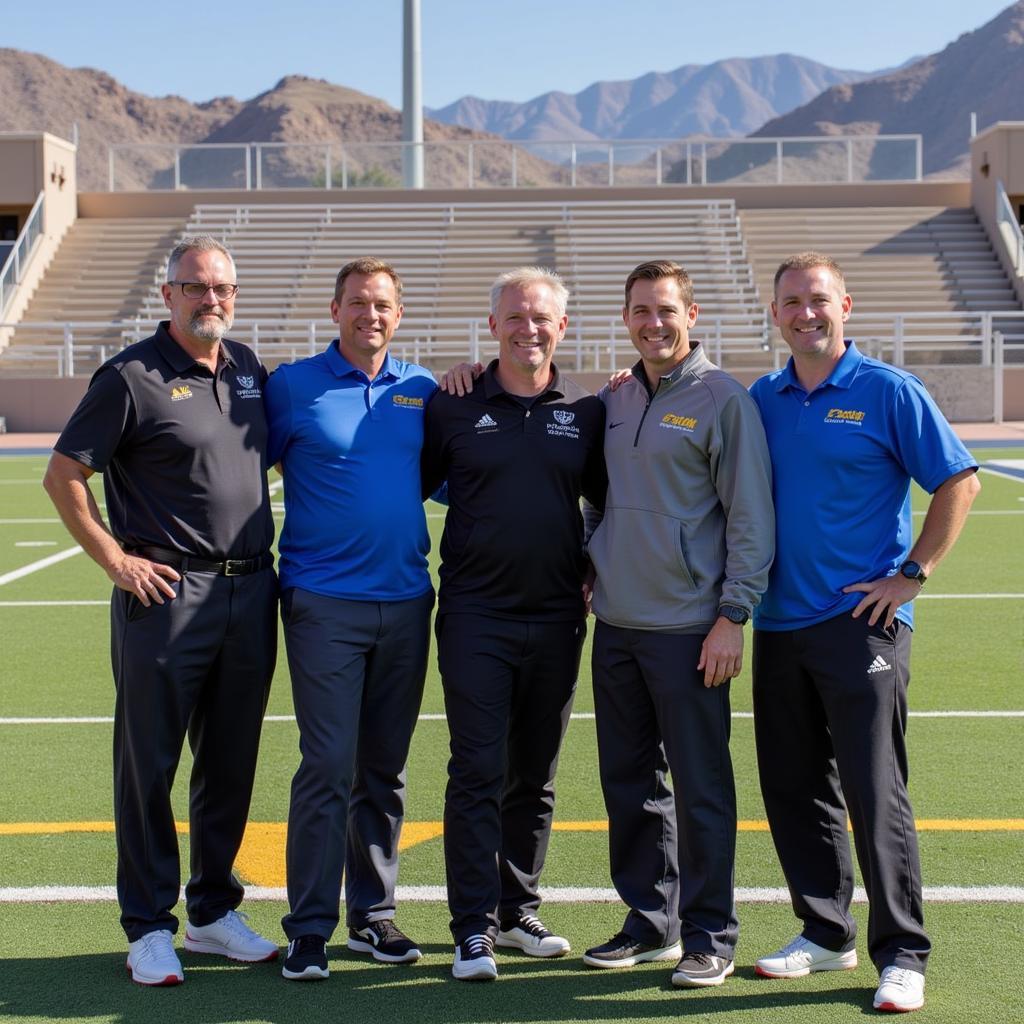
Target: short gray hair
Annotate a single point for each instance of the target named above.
(520, 277)
(196, 243)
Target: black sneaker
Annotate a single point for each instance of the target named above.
(306, 959)
(622, 950)
(698, 970)
(474, 959)
(384, 941)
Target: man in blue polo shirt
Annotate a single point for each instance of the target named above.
(846, 434)
(346, 427)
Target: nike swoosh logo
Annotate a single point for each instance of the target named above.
(612, 426)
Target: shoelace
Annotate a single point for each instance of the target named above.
(304, 944)
(900, 977)
(237, 921)
(386, 930)
(479, 945)
(154, 947)
(530, 923)
(798, 947)
(704, 959)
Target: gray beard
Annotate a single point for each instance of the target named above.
(208, 330)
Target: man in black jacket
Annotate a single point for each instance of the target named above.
(517, 453)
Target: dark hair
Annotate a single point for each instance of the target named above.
(655, 270)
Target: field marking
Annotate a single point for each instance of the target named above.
(43, 563)
(550, 894)
(27, 522)
(983, 512)
(416, 832)
(55, 604)
(35, 543)
(23, 480)
(261, 858)
(439, 716)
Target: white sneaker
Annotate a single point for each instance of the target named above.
(900, 990)
(152, 960)
(230, 937)
(529, 935)
(802, 957)
(474, 959)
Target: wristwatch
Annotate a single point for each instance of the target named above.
(733, 614)
(913, 572)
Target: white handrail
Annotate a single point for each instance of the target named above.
(1009, 229)
(563, 161)
(24, 246)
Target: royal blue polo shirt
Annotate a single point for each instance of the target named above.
(843, 457)
(349, 449)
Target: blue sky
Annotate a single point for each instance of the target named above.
(512, 50)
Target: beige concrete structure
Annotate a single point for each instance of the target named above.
(33, 163)
(997, 155)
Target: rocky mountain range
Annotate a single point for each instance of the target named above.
(980, 72)
(726, 98)
(41, 95)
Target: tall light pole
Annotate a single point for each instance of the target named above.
(412, 98)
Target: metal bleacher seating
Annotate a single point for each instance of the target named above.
(449, 253)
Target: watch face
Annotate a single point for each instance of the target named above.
(912, 571)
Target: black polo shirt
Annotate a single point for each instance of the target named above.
(513, 536)
(182, 451)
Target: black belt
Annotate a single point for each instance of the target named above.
(189, 563)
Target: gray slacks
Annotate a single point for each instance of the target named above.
(357, 671)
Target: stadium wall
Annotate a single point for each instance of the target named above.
(964, 393)
(181, 203)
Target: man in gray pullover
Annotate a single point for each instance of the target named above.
(681, 559)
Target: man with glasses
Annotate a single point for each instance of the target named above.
(176, 426)
(346, 428)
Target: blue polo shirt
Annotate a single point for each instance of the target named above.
(349, 449)
(843, 457)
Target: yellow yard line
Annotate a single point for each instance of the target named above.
(261, 860)
(415, 832)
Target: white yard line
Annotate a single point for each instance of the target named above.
(556, 894)
(578, 716)
(55, 604)
(43, 563)
(27, 522)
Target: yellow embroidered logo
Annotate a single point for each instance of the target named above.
(674, 422)
(180, 392)
(408, 401)
(845, 416)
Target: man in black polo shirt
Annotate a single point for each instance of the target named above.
(175, 423)
(517, 453)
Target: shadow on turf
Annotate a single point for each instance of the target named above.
(214, 992)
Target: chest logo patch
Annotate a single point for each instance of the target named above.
(247, 387)
(407, 402)
(486, 423)
(673, 422)
(180, 392)
(855, 416)
(563, 425)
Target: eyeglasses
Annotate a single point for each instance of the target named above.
(198, 290)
